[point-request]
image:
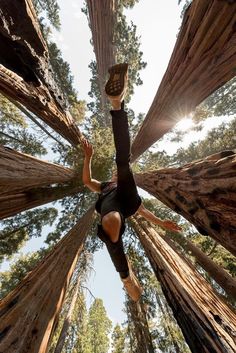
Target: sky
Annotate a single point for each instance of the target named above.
(157, 25)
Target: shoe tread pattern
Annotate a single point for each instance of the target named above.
(116, 87)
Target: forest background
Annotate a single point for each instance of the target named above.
(212, 127)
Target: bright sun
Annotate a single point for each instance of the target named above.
(184, 124)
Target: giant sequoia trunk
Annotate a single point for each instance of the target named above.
(21, 172)
(221, 276)
(203, 60)
(25, 72)
(208, 324)
(101, 19)
(141, 329)
(15, 203)
(28, 315)
(204, 192)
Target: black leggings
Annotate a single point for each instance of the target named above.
(125, 199)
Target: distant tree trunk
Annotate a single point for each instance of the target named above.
(67, 320)
(21, 172)
(208, 324)
(202, 61)
(141, 329)
(221, 276)
(25, 72)
(12, 204)
(166, 312)
(102, 18)
(28, 314)
(203, 191)
(31, 117)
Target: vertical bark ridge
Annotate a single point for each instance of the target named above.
(28, 314)
(25, 72)
(203, 191)
(14, 203)
(102, 20)
(208, 324)
(21, 172)
(203, 60)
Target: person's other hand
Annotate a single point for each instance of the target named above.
(171, 226)
(87, 147)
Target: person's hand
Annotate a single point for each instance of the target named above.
(87, 148)
(171, 226)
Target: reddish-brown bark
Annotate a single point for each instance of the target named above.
(203, 191)
(208, 324)
(25, 72)
(28, 314)
(202, 61)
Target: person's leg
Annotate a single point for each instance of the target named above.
(126, 186)
(112, 224)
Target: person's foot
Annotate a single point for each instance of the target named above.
(116, 85)
(132, 285)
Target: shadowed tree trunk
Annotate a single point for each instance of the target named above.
(25, 72)
(13, 204)
(221, 276)
(102, 16)
(67, 320)
(202, 61)
(28, 315)
(208, 324)
(168, 317)
(203, 191)
(21, 172)
(141, 329)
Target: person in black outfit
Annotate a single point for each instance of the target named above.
(118, 198)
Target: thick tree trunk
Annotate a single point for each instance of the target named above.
(141, 329)
(25, 72)
(202, 61)
(204, 192)
(15, 203)
(67, 321)
(221, 276)
(21, 172)
(29, 313)
(208, 324)
(102, 18)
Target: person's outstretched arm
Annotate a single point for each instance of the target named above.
(149, 216)
(93, 184)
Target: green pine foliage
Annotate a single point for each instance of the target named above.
(90, 329)
(17, 230)
(18, 270)
(14, 130)
(118, 339)
(49, 10)
(99, 327)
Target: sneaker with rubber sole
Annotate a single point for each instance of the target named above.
(132, 286)
(117, 82)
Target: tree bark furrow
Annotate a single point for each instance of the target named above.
(13, 204)
(208, 324)
(207, 202)
(28, 314)
(103, 41)
(202, 61)
(25, 72)
(21, 172)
